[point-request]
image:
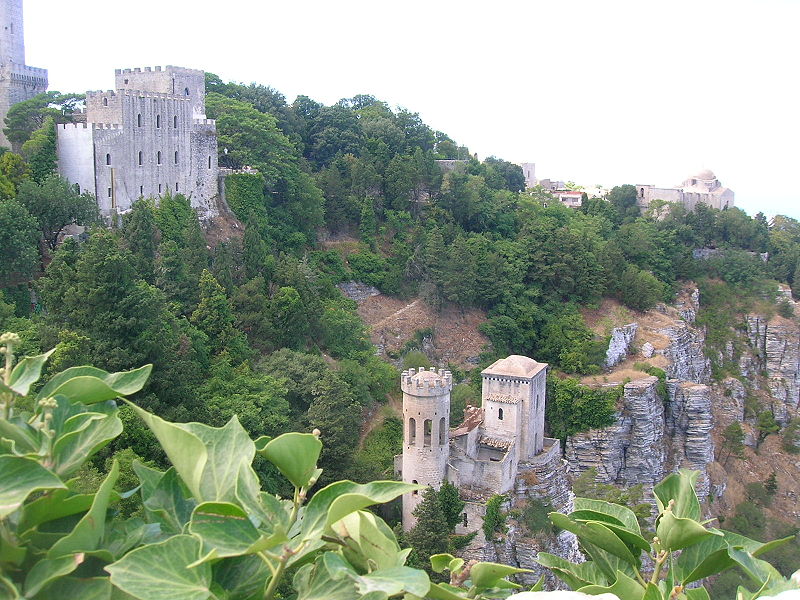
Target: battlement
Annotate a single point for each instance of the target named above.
(167, 69)
(205, 121)
(136, 94)
(426, 383)
(26, 70)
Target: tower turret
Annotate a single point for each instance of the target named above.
(426, 432)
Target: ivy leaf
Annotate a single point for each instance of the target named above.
(54, 505)
(226, 529)
(485, 575)
(395, 581)
(27, 372)
(19, 477)
(315, 582)
(48, 570)
(82, 437)
(295, 455)
(88, 588)
(90, 385)
(86, 535)
(159, 571)
(241, 577)
(167, 502)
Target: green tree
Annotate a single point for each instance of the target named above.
(25, 117)
(55, 204)
(732, 442)
(214, 317)
(288, 317)
(494, 519)
(141, 236)
(343, 331)
(14, 170)
(452, 505)
(300, 372)
(430, 535)
(40, 151)
(765, 425)
(19, 234)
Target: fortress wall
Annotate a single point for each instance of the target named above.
(75, 156)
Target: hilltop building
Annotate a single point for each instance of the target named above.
(529, 171)
(491, 450)
(701, 188)
(18, 81)
(146, 138)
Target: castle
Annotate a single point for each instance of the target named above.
(146, 138)
(18, 81)
(491, 450)
(701, 188)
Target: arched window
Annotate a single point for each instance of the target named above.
(176, 157)
(185, 91)
(158, 157)
(415, 492)
(105, 101)
(159, 188)
(412, 431)
(141, 190)
(175, 121)
(158, 121)
(140, 158)
(426, 430)
(176, 186)
(441, 431)
(209, 162)
(139, 120)
(500, 414)
(108, 159)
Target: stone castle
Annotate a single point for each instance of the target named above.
(491, 451)
(701, 188)
(18, 81)
(146, 138)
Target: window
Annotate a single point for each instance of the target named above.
(176, 157)
(185, 91)
(441, 431)
(175, 121)
(176, 186)
(412, 431)
(158, 121)
(141, 190)
(209, 162)
(415, 492)
(108, 159)
(159, 188)
(426, 430)
(158, 157)
(109, 192)
(140, 157)
(500, 414)
(126, 82)
(105, 101)
(139, 120)
(464, 519)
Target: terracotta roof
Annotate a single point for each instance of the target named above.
(497, 443)
(503, 398)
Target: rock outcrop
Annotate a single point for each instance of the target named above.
(620, 343)
(689, 421)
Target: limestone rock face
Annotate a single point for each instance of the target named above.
(620, 343)
(689, 421)
(632, 450)
(355, 290)
(685, 353)
(776, 349)
(729, 406)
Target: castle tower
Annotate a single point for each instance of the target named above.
(426, 432)
(18, 81)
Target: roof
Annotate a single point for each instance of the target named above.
(514, 366)
(502, 398)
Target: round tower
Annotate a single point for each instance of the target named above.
(426, 432)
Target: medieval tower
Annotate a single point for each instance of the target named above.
(426, 444)
(18, 81)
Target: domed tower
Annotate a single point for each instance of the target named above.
(426, 432)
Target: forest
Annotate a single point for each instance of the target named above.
(253, 325)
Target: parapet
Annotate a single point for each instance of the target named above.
(426, 383)
(168, 68)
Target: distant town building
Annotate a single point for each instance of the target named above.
(553, 186)
(146, 138)
(701, 188)
(570, 198)
(18, 81)
(529, 171)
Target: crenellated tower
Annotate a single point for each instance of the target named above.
(18, 81)
(426, 432)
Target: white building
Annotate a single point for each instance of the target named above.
(701, 188)
(146, 138)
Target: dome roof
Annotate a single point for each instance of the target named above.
(426, 375)
(514, 366)
(706, 175)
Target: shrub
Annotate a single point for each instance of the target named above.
(494, 520)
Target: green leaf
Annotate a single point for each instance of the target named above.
(48, 570)
(242, 577)
(86, 588)
(54, 505)
(12, 552)
(25, 438)
(485, 575)
(295, 455)
(160, 571)
(148, 478)
(369, 543)
(83, 436)
(697, 594)
(539, 585)
(167, 502)
(27, 372)
(8, 591)
(759, 570)
(89, 385)
(315, 582)
(575, 575)
(395, 581)
(597, 534)
(624, 515)
(680, 488)
(652, 593)
(444, 591)
(440, 562)
(20, 477)
(624, 588)
(676, 533)
(339, 499)
(226, 529)
(86, 535)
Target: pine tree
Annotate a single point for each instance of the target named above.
(452, 504)
(214, 317)
(732, 442)
(431, 534)
(141, 237)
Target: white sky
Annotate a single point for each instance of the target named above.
(597, 91)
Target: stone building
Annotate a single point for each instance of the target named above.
(701, 188)
(18, 81)
(489, 452)
(146, 138)
(529, 171)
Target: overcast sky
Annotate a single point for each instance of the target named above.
(598, 92)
